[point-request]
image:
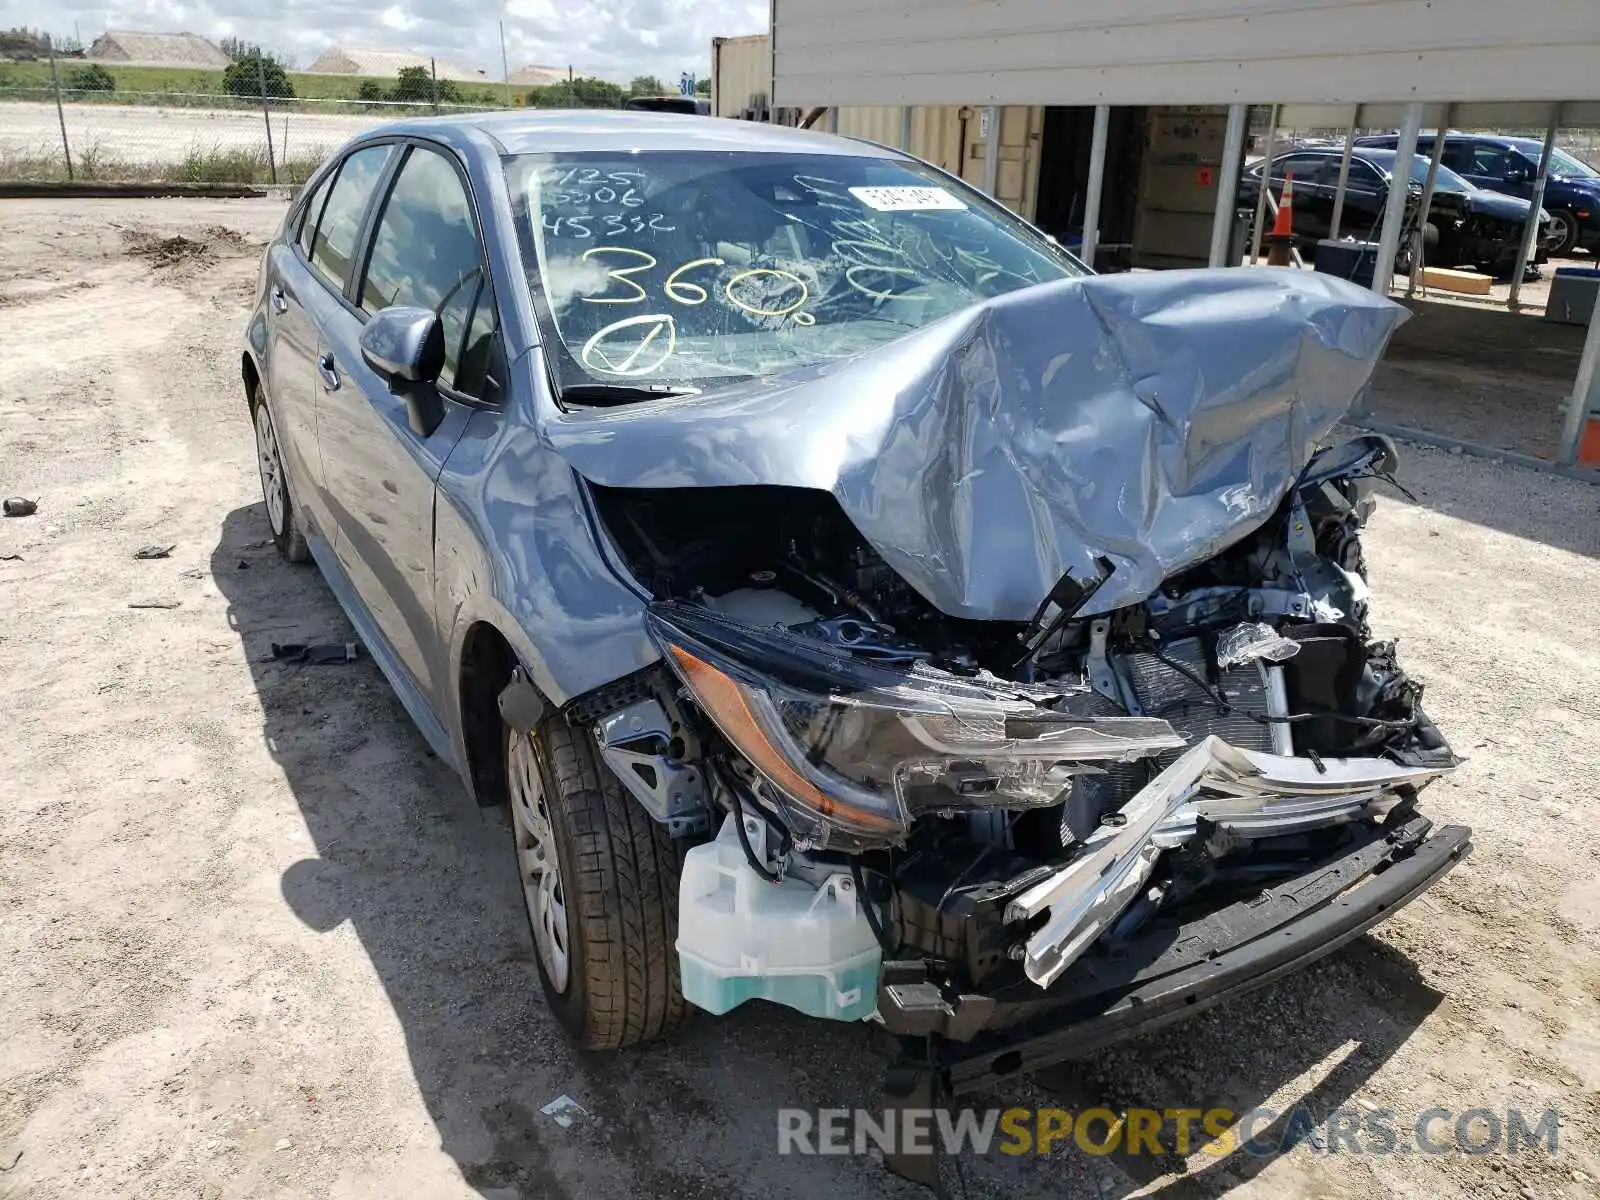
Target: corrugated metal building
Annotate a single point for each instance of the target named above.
(741, 76)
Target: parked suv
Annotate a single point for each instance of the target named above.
(1511, 165)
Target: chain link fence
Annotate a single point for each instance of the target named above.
(81, 127)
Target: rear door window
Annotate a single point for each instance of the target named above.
(335, 242)
(1302, 166)
(1492, 161)
(1458, 156)
(310, 213)
(426, 253)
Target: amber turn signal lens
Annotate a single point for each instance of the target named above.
(724, 700)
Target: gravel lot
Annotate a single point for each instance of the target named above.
(257, 942)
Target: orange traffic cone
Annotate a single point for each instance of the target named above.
(1282, 235)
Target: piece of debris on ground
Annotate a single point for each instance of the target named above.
(329, 652)
(564, 1111)
(19, 506)
(155, 551)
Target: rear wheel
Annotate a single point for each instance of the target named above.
(287, 534)
(600, 883)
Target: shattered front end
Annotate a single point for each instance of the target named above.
(1032, 701)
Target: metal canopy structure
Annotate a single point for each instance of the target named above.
(1403, 64)
(1181, 51)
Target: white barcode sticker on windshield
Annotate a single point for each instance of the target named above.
(907, 199)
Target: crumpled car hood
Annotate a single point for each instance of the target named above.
(1150, 418)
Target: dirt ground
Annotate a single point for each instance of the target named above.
(1481, 374)
(257, 942)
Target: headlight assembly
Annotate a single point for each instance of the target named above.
(854, 749)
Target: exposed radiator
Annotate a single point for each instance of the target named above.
(1164, 692)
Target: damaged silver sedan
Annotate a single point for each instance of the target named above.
(858, 605)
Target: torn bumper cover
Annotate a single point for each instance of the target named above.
(1241, 793)
(1170, 974)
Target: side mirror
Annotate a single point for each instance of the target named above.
(1516, 175)
(405, 346)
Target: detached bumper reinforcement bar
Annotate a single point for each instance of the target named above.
(1229, 974)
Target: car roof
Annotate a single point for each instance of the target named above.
(1427, 135)
(545, 130)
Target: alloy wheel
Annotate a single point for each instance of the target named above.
(271, 465)
(1562, 234)
(537, 862)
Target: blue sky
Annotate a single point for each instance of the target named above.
(616, 38)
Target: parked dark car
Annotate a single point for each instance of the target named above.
(857, 604)
(1511, 165)
(690, 105)
(1467, 225)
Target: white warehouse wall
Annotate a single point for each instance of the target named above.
(1324, 52)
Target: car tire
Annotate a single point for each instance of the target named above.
(604, 921)
(282, 517)
(1563, 237)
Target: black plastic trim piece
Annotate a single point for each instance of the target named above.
(1225, 976)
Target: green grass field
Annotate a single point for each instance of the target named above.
(135, 85)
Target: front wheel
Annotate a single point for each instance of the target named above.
(600, 883)
(1562, 235)
(287, 534)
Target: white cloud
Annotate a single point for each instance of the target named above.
(395, 17)
(614, 38)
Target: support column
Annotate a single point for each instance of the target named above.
(1530, 227)
(1097, 178)
(1256, 228)
(1228, 183)
(1394, 214)
(1439, 135)
(1344, 174)
(905, 128)
(991, 153)
(1585, 394)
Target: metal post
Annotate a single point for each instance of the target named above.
(1394, 213)
(905, 128)
(55, 82)
(1585, 395)
(1266, 184)
(1097, 178)
(505, 63)
(433, 71)
(1421, 234)
(1344, 175)
(1530, 227)
(266, 116)
(991, 153)
(1228, 182)
(833, 119)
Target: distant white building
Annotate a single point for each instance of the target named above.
(130, 49)
(386, 64)
(537, 76)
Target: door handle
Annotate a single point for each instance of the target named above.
(329, 372)
(280, 302)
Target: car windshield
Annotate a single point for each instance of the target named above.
(1563, 163)
(694, 268)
